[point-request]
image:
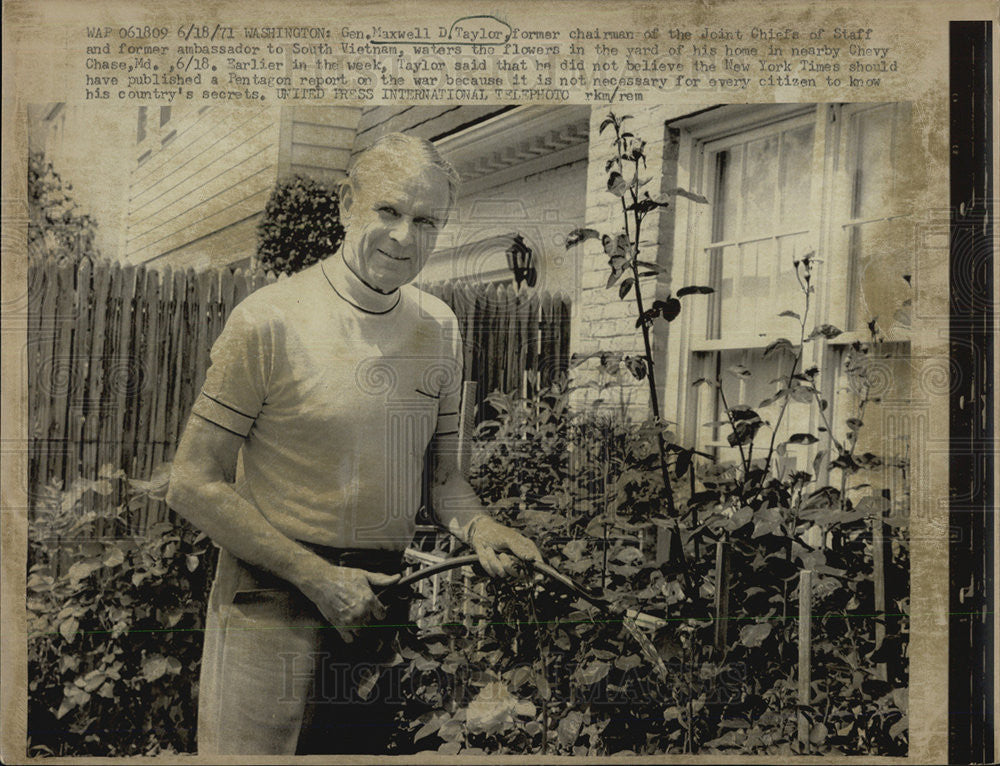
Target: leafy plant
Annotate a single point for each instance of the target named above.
(300, 226)
(56, 224)
(114, 626)
(628, 271)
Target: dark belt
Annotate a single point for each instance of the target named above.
(371, 560)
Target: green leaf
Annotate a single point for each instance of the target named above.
(533, 728)
(683, 463)
(802, 439)
(754, 635)
(651, 266)
(154, 666)
(827, 331)
(767, 521)
(431, 726)
(113, 557)
(899, 728)
(636, 366)
(671, 309)
(781, 344)
(525, 709)
(594, 672)
(818, 733)
(615, 247)
(739, 371)
(68, 629)
(617, 184)
(625, 286)
(695, 290)
(83, 569)
(577, 236)
(628, 661)
(679, 192)
(569, 728)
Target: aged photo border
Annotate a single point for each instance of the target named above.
(972, 535)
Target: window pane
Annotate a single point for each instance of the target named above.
(873, 164)
(796, 176)
(762, 196)
(727, 164)
(759, 182)
(881, 253)
(750, 391)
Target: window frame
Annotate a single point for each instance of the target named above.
(829, 225)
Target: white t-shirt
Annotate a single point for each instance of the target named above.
(337, 390)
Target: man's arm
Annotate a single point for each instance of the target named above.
(459, 509)
(201, 489)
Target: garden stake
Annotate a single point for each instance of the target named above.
(878, 574)
(721, 598)
(805, 654)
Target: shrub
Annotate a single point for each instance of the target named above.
(55, 223)
(114, 628)
(300, 226)
(535, 668)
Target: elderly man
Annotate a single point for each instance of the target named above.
(302, 461)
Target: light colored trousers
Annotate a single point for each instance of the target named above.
(271, 668)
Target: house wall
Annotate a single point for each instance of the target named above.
(203, 178)
(542, 207)
(317, 141)
(428, 122)
(83, 144)
(202, 182)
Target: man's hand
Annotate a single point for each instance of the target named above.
(345, 597)
(489, 540)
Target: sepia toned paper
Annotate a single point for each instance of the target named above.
(104, 61)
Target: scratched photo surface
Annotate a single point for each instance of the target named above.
(664, 298)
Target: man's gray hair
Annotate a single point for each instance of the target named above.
(400, 149)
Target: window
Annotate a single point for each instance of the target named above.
(784, 181)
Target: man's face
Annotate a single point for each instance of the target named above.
(391, 222)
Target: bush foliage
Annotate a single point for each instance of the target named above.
(540, 670)
(301, 225)
(114, 627)
(56, 224)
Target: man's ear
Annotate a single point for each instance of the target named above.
(346, 196)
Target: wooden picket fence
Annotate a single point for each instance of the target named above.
(117, 354)
(508, 331)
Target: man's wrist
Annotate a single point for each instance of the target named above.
(306, 571)
(470, 528)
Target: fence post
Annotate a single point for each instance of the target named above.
(805, 655)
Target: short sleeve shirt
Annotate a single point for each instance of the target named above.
(337, 405)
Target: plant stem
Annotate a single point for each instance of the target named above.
(784, 403)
